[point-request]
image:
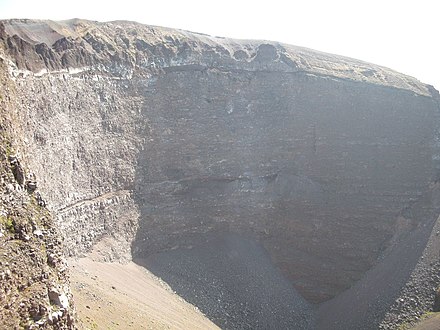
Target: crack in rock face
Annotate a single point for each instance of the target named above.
(229, 167)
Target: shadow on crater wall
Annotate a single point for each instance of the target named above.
(318, 171)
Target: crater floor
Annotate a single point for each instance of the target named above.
(233, 281)
(126, 296)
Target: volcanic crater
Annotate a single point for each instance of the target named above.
(271, 186)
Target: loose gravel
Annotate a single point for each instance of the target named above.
(232, 280)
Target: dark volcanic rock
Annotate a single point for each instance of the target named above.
(234, 283)
(420, 293)
(170, 138)
(301, 162)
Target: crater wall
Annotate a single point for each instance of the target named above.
(147, 139)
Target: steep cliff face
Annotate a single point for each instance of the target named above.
(34, 280)
(147, 139)
(301, 162)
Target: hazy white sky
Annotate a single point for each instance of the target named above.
(402, 35)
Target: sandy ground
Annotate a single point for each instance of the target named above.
(126, 296)
(430, 323)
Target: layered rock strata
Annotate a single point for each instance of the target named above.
(147, 139)
(34, 279)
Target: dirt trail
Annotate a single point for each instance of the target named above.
(126, 296)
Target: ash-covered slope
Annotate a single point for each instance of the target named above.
(148, 139)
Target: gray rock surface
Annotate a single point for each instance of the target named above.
(420, 293)
(234, 283)
(32, 259)
(148, 139)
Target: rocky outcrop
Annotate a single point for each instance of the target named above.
(34, 280)
(420, 294)
(147, 139)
